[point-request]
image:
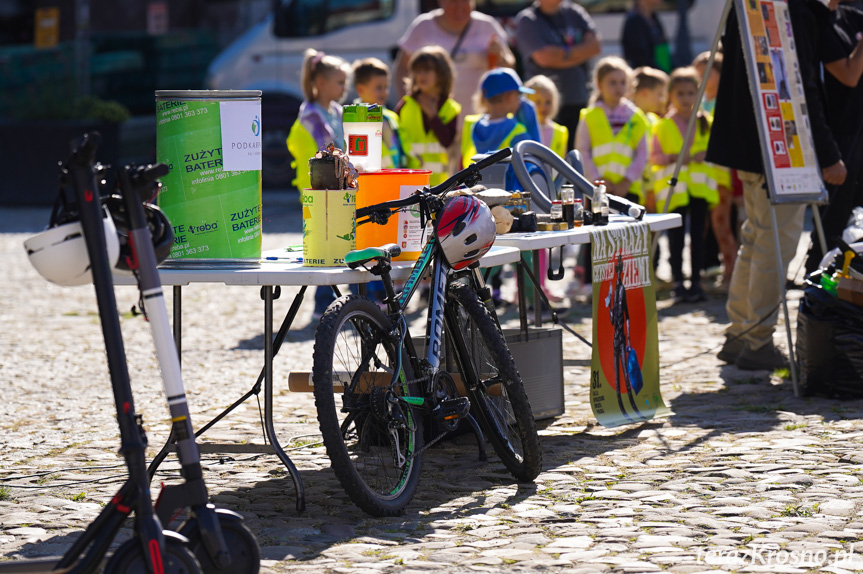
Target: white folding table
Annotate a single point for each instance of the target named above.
(280, 267)
(538, 240)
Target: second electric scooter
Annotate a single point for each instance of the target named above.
(211, 540)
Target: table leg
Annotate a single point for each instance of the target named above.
(522, 300)
(178, 320)
(160, 456)
(271, 348)
(537, 299)
(269, 353)
(277, 344)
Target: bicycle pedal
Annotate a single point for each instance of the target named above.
(452, 409)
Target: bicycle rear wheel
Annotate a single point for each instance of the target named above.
(354, 360)
(497, 396)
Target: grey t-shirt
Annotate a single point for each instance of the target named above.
(567, 27)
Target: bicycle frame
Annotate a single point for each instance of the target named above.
(365, 357)
(431, 260)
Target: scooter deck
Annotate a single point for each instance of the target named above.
(41, 565)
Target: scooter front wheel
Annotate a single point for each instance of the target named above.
(128, 559)
(241, 543)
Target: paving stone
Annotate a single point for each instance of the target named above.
(838, 507)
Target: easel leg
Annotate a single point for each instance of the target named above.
(819, 228)
(781, 278)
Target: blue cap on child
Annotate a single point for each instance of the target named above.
(502, 80)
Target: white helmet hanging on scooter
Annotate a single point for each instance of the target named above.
(59, 253)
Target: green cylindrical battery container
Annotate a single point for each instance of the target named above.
(216, 214)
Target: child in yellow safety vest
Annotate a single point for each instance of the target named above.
(428, 116)
(695, 191)
(612, 132)
(546, 98)
(509, 117)
(650, 93)
(324, 78)
(612, 138)
(371, 79)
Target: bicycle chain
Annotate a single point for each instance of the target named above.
(430, 444)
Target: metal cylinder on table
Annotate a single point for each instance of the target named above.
(211, 140)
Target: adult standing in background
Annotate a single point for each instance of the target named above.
(754, 293)
(475, 42)
(556, 38)
(843, 66)
(643, 37)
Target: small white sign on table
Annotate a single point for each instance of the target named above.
(241, 135)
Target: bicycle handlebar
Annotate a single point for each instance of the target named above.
(470, 172)
(497, 156)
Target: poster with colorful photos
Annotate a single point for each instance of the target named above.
(624, 373)
(780, 105)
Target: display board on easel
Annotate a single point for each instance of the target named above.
(788, 150)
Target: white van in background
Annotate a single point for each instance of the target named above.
(268, 57)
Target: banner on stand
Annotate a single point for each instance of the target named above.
(624, 374)
(791, 166)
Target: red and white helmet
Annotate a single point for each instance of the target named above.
(465, 229)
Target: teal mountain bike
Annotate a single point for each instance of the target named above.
(381, 402)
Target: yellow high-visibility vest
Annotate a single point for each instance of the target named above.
(303, 147)
(647, 177)
(468, 148)
(559, 139)
(423, 149)
(613, 154)
(695, 179)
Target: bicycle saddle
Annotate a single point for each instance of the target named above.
(362, 256)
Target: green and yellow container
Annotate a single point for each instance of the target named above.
(329, 226)
(215, 213)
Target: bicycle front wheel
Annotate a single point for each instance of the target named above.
(497, 396)
(372, 442)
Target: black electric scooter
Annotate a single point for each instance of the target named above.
(211, 540)
(218, 538)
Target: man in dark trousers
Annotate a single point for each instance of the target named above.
(754, 293)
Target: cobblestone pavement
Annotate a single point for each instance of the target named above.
(742, 476)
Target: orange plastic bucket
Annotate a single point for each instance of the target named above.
(403, 227)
